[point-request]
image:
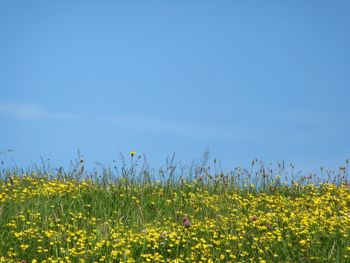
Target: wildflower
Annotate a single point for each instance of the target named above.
(186, 221)
(114, 254)
(132, 154)
(163, 234)
(24, 246)
(254, 218)
(302, 242)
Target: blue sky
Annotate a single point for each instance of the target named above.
(244, 79)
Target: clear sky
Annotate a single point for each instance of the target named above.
(244, 79)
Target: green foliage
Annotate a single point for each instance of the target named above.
(135, 215)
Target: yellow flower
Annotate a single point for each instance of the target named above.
(302, 242)
(24, 246)
(132, 154)
(114, 254)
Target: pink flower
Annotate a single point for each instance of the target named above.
(254, 218)
(186, 221)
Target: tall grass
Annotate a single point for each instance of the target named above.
(132, 213)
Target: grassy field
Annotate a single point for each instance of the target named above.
(194, 215)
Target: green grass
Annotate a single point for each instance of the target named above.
(135, 214)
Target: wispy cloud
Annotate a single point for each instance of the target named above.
(134, 123)
(240, 131)
(31, 111)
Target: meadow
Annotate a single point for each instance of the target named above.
(196, 213)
